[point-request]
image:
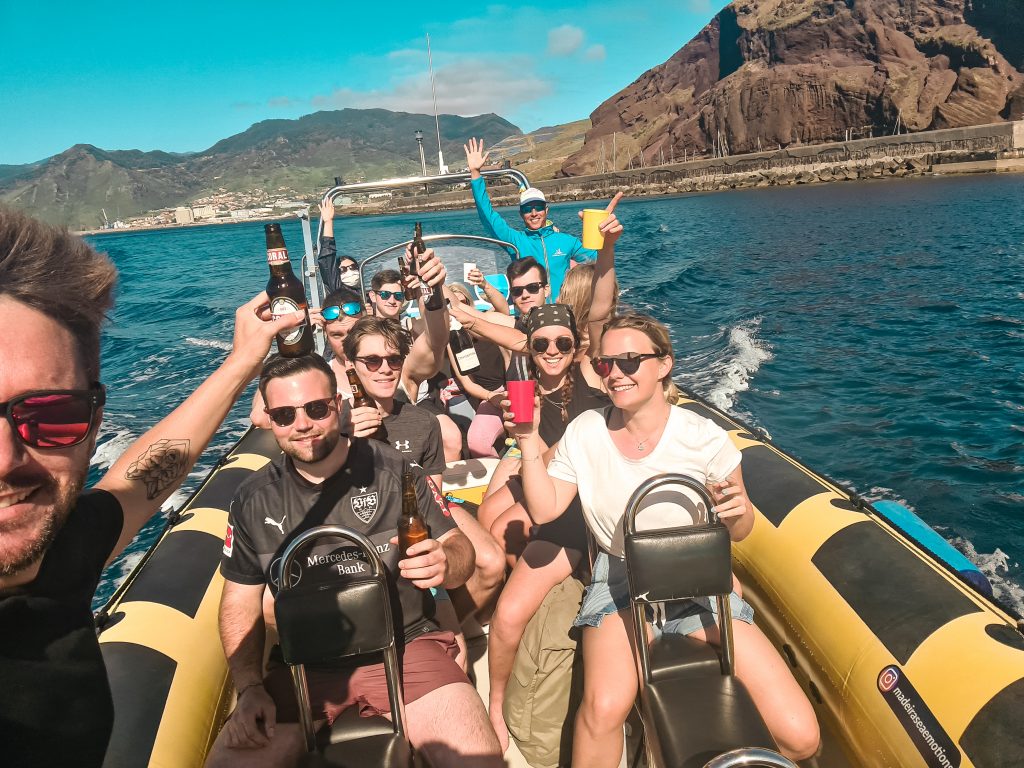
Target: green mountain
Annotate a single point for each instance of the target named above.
(272, 158)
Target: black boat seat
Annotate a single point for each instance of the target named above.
(699, 717)
(692, 706)
(343, 623)
(679, 656)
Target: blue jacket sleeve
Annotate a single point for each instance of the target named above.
(493, 223)
(327, 263)
(579, 254)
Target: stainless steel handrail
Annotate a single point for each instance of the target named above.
(751, 757)
(427, 239)
(377, 571)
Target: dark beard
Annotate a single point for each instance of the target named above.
(53, 521)
(318, 453)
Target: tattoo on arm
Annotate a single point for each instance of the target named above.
(160, 466)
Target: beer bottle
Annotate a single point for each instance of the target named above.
(412, 528)
(412, 292)
(286, 295)
(434, 299)
(360, 400)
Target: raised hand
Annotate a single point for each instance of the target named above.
(255, 328)
(476, 158)
(610, 227)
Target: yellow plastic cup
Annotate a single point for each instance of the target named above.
(592, 237)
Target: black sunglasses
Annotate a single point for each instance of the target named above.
(374, 362)
(628, 364)
(55, 418)
(317, 410)
(563, 344)
(399, 295)
(348, 268)
(519, 290)
(528, 207)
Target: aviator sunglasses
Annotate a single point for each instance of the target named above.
(531, 207)
(374, 362)
(519, 290)
(349, 308)
(317, 410)
(54, 418)
(629, 364)
(399, 295)
(563, 344)
(342, 269)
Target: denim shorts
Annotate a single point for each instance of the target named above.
(609, 593)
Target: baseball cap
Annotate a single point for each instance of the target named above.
(532, 195)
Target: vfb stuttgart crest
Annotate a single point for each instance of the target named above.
(364, 506)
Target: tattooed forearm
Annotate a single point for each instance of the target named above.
(162, 465)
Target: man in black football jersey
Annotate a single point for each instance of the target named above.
(326, 477)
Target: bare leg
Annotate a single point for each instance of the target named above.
(451, 438)
(542, 567)
(285, 749)
(776, 693)
(448, 620)
(449, 727)
(512, 532)
(609, 688)
(489, 573)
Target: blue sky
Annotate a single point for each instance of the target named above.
(181, 76)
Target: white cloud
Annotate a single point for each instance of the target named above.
(281, 102)
(469, 86)
(701, 7)
(596, 52)
(564, 40)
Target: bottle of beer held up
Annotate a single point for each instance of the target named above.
(434, 300)
(286, 296)
(412, 528)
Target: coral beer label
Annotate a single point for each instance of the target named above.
(277, 256)
(281, 306)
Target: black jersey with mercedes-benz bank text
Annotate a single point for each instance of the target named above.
(277, 504)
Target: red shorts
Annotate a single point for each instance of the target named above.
(427, 664)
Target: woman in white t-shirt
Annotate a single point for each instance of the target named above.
(603, 456)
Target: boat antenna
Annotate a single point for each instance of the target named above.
(441, 169)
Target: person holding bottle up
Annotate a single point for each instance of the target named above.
(556, 251)
(335, 271)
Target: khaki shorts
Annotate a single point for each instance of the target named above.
(427, 664)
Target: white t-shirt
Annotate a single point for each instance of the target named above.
(690, 445)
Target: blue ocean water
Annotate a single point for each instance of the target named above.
(874, 329)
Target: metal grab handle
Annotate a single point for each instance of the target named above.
(427, 239)
(652, 484)
(751, 756)
(322, 532)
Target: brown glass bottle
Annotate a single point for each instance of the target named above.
(412, 528)
(286, 295)
(412, 293)
(359, 397)
(434, 300)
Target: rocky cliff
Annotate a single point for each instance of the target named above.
(766, 73)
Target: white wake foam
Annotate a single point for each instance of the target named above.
(996, 567)
(215, 343)
(746, 355)
(110, 451)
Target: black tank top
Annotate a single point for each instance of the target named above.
(584, 398)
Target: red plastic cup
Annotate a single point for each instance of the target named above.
(520, 393)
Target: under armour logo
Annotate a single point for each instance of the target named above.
(279, 526)
(402, 445)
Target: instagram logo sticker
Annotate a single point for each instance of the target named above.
(888, 678)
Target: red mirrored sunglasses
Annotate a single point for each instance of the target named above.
(54, 418)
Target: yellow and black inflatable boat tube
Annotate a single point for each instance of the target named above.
(906, 664)
(159, 637)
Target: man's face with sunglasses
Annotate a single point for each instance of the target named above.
(304, 415)
(388, 300)
(338, 321)
(534, 214)
(46, 439)
(379, 367)
(528, 291)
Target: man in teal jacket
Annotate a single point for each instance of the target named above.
(555, 250)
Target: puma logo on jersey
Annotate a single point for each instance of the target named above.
(279, 526)
(402, 445)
